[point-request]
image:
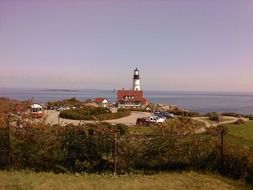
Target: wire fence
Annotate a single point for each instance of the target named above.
(79, 149)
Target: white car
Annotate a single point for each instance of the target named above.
(156, 119)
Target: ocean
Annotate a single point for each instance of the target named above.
(195, 101)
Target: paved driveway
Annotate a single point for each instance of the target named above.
(52, 118)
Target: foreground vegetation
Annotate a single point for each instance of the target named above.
(162, 181)
(91, 148)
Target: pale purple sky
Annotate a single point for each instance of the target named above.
(196, 45)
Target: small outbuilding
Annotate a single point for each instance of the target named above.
(102, 102)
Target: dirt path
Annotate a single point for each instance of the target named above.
(228, 119)
(209, 124)
(52, 117)
(202, 119)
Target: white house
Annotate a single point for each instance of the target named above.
(102, 102)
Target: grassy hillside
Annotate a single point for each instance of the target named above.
(240, 134)
(172, 181)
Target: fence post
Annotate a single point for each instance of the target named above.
(115, 153)
(222, 147)
(9, 141)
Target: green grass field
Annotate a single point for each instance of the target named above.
(172, 181)
(240, 134)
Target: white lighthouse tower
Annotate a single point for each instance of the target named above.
(136, 80)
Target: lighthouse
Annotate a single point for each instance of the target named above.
(136, 80)
(133, 98)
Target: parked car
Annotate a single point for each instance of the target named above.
(153, 119)
(144, 121)
(167, 115)
(157, 119)
(61, 108)
(160, 116)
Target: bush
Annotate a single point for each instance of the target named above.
(232, 114)
(180, 126)
(70, 148)
(249, 116)
(121, 128)
(239, 122)
(93, 113)
(180, 112)
(73, 102)
(213, 116)
(238, 163)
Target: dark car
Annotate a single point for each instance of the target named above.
(168, 115)
(144, 121)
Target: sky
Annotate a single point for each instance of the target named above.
(188, 45)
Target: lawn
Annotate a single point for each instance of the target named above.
(240, 134)
(173, 181)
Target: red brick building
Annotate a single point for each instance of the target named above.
(131, 99)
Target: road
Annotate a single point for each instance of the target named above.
(52, 117)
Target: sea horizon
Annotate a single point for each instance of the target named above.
(199, 101)
(113, 89)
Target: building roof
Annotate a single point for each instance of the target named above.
(34, 106)
(100, 100)
(130, 96)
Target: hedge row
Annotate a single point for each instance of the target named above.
(94, 113)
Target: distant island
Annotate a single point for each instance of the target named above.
(60, 90)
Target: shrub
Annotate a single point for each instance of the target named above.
(232, 114)
(239, 122)
(67, 102)
(180, 112)
(121, 128)
(213, 116)
(249, 116)
(238, 162)
(180, 126)
(93, 113)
